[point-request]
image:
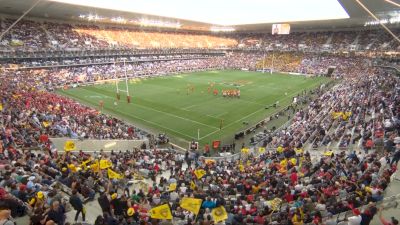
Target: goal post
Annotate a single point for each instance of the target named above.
(118, 89)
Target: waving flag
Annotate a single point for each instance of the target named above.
(219, 214)
(191, 204)
(162, 212)
(199, 173)
(69, 146)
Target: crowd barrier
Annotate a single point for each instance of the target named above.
(91, 145)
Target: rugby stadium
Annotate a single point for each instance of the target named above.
(283, 112)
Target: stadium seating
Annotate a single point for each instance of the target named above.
(335, 155)
(34, 35)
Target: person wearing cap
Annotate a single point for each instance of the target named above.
(77, 204)
(393, 221)
(117, 205)
(22, 194)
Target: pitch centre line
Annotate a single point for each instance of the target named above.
(189, 107)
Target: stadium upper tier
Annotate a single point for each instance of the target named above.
(39, 35)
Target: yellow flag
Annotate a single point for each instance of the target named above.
(72, 168)
(284, 163)
(209, 161)
(46, 124)
(275, 203)
(241, 168)
(298, 150)
(1, 107)
(104, 164)
(95, 167)
(261, 150)
(114, 175)
(162, 212)
(328, 153)
(219, 214)
(191, 204)
(248, 163)
(69, 146)
(192, 185)
(245, 150)
(199, 173)
(172, 187)
(84, 163)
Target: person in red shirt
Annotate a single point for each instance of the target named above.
(288, 196)
(259, 219)
(293, 177)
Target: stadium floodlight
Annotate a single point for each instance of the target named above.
(157, 23)
(222, 29)
(118, 20)
(226, 12)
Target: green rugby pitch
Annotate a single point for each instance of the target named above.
(162, 104)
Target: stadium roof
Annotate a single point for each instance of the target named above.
(226, 12)
(246, 15)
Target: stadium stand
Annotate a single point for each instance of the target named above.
(333, 161)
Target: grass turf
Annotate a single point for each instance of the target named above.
(163, 105)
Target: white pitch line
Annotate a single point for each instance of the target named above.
(188, 107)
(289, 95)
(178, 116)
(158, 125)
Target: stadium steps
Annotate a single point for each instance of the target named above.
(329, 40)
(355, 42)
(49, 36)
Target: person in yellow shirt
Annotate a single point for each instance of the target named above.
(297, 219)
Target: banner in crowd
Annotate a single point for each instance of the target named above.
(95, 167)
(69, 146)
(162, 212)
(172, 187)
(45, 123)
(275, 203)
(104, 164)
(245, 150)
(191, 204)
(219, 214)
(114, 175)
(343, 115)
(281, 28)
(192, 185)
(199, 173)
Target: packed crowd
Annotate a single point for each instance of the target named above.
(58, 76)
(286, 186)
(80, 70)
(362, 40)
(27, 104)
(39, 35)
(340, 120)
